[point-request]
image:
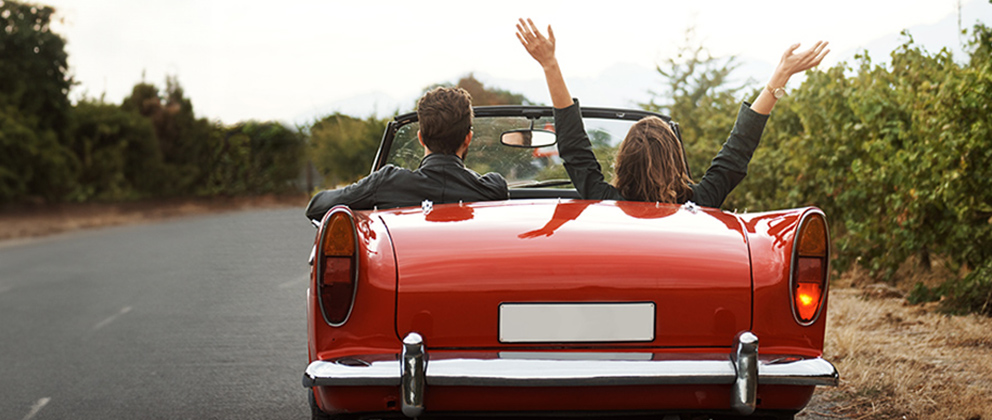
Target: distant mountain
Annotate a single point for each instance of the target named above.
(622, 85)
(943, 34)
(377, 104)
(625, 85)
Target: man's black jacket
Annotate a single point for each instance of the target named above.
(440, 179)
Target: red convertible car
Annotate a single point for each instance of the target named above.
(545, 304)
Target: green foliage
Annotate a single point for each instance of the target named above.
(199, 157)
(343, 147)
(34, 106)
(118, 156)
(259, 157)
(190, 147)
(972, 294)
(922, 294)
(34, 76)
(32, 161)
(897, 155)
(981, 46)
(152, 145)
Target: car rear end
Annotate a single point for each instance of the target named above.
(568, 306)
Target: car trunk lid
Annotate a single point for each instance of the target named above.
(570, 273)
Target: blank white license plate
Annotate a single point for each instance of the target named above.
(576, 322)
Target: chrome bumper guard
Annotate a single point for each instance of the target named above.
(742, 369)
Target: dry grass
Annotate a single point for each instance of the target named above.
(907, 361)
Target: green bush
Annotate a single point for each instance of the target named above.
(343, 147)
(898, 156)
(33, 163)
(118, 156)
(259, 157)
(971, 294)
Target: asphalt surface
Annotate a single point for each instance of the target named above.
(199, 318)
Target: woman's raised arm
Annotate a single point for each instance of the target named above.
(543, 50)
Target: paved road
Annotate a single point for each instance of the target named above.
(201, 318)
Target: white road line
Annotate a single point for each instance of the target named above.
(112, 318)
(37, 407)
(292, 283)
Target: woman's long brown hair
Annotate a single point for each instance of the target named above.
(650, 165)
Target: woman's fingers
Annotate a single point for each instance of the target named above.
(813, 57)
(525, 32)
(820, 57)
(522, 31)
(795, 62)
(533, 27)
(531, 37)
(530, 32)
(789, 51)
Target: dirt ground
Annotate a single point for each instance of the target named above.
(904, 361)
(896, 360)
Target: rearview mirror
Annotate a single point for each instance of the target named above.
(528, 138)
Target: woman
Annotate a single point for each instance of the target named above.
(649, 164)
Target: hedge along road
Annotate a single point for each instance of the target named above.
(201, 317)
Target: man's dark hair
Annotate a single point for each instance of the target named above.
(445, 115)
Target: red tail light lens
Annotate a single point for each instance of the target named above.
(809, 287)
(336, 268)
(809, 268)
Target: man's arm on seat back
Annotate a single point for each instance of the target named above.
(357, 196)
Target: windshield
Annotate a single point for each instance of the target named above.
(520, 166)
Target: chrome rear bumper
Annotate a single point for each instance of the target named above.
(743, 369)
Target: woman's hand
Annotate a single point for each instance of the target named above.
(539, 47)
(792, 62)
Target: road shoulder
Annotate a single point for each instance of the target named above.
(31, 221)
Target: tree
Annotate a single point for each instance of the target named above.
(260, 157)
(32, 161)
(481, 95)
(34, 105)
(34, 75)
(190, 146)
(117, 151)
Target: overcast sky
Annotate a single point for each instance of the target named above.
(280, 60)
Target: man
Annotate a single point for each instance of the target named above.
(445, 116)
